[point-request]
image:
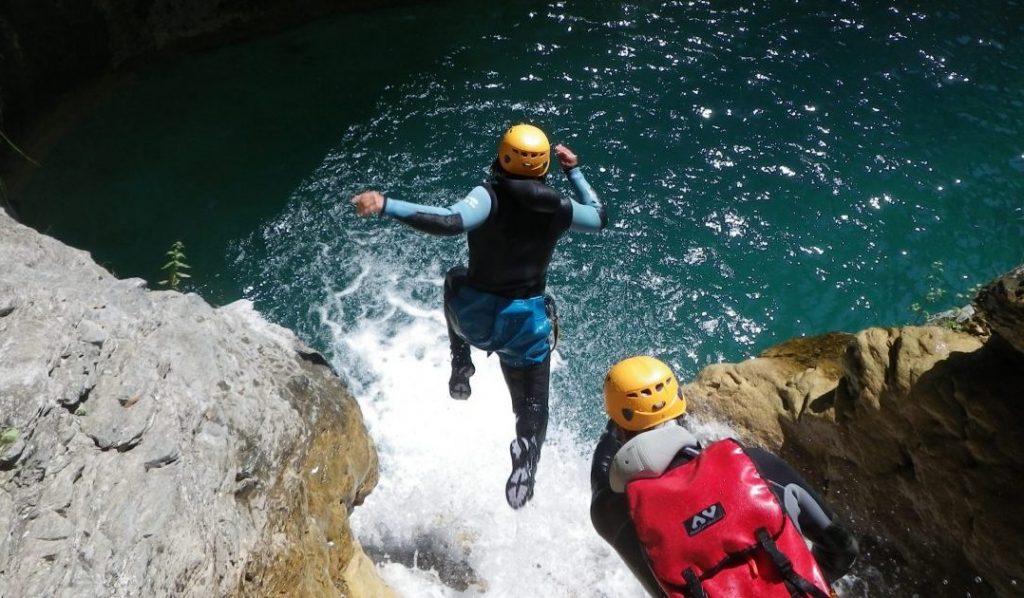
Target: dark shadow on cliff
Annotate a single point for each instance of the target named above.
(956, 467)
(204, 146)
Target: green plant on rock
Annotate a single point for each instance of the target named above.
(175, 267)
(7, 438)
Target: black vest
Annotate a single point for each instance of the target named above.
(509, 254)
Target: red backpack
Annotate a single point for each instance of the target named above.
(713, 528)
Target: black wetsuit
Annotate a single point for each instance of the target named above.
(834, 547)
(510, 253)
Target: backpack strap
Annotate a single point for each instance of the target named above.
(693, 587)
(798, 585)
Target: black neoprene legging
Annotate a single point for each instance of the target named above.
(529, 390)
(528, 386)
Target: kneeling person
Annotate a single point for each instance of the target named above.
(718, 521)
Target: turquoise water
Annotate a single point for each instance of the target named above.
(771, 169)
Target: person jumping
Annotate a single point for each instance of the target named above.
(498, 303)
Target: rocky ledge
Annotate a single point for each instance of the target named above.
(151, 444)
(914, 433)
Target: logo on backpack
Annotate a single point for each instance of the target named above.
(704, 519)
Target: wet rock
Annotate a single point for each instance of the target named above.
(958, 316)
(1002, 304)
(154, 445)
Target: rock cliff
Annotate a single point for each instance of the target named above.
(151, 444)
(915, 433)
(1002, 302)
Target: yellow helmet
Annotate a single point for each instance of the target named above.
(642, 392)
(524, 150)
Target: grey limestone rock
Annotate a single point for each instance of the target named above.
(153, 442)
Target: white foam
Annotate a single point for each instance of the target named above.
(437, 523)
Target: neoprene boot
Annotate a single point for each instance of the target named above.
(835, 551)
(529, 390)
(462, 367)
(525, 453)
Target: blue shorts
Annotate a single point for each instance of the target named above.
(517, 330)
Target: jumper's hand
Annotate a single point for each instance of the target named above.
(566, 158)
(368, 203)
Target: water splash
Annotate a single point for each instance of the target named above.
(438, 522)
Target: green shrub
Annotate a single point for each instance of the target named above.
(175, 267)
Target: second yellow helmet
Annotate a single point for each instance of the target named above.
(642, 392)
(524, 150)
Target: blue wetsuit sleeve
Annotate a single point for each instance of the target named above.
(588, 213)
(461, 217)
